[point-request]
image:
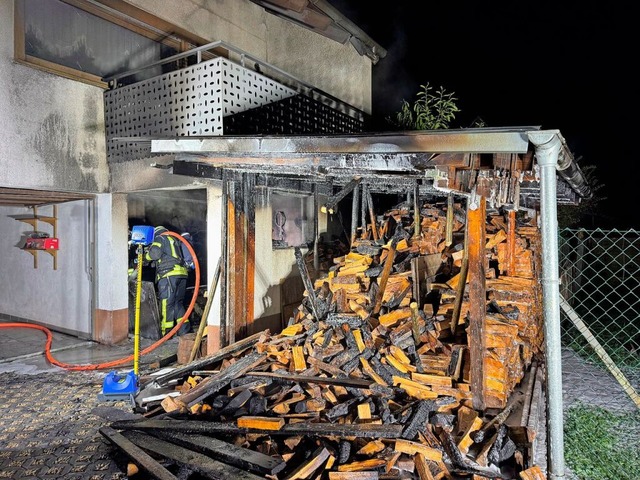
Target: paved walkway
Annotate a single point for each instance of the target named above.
(48, 429)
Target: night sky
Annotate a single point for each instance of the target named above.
(558, 65)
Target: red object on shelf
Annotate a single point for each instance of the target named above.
(42, 243)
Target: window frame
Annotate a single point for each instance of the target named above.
(115, 11)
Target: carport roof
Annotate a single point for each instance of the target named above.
(463, 158)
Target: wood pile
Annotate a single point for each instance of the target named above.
(371, 377)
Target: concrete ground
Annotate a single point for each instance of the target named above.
(49, 427)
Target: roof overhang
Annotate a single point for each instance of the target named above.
(323, 18)
(494, 162)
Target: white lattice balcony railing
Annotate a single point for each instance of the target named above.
(194, 101)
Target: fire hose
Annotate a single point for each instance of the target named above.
(124, 360)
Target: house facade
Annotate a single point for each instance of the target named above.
(67, 169)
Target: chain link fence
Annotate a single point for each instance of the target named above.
(600, 321)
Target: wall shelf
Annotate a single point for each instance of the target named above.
(34, 221)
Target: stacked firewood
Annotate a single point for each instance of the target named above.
(370, 379)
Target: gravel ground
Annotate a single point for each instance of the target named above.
(594, 385)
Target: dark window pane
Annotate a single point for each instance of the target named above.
(65, 35)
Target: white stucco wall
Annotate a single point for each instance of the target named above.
(328, 65)
(52, 139)
(52, 127)
(112, 235)
(274, 266)
(58, 298)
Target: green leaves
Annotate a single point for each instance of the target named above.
(432, 110)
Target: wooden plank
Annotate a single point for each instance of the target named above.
(411, 448)
(221, 354)
(371, 448)
(326, 367)
(418, 419)
(533, 473)
(477, 301)
(240, 457)
(362, 465)
(399, 354)
(391, 462)
(394, 316)
(238, 294)
(306, 280)
(363, 430)
(194, 461)
(250, 251)
(261, 423)
(395, 363)
(466, 416)
(135, 453)
(511, 243)
(366, 368)
(415, 325)
(430, 379)
(292, 330)
(353, 475)
(384, 277)
(343, 381)
(414, 389)
(372, 215)
(423, 272)
(216, 382)
(499, 237)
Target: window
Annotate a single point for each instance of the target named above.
(292, 220)
(88, 40)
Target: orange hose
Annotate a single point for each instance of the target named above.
(115, 363)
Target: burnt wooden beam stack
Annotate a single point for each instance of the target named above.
(374, 376)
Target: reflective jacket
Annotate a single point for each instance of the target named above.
(165, 251)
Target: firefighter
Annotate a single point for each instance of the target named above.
(171, 279)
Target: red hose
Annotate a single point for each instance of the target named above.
(115, 363)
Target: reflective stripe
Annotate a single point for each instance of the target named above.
(164, 324)
(177, 270)
(172, 244)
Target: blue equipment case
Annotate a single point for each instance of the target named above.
(119, 387)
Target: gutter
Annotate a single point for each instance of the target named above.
(571, 173)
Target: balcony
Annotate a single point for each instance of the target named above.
(214, 95)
